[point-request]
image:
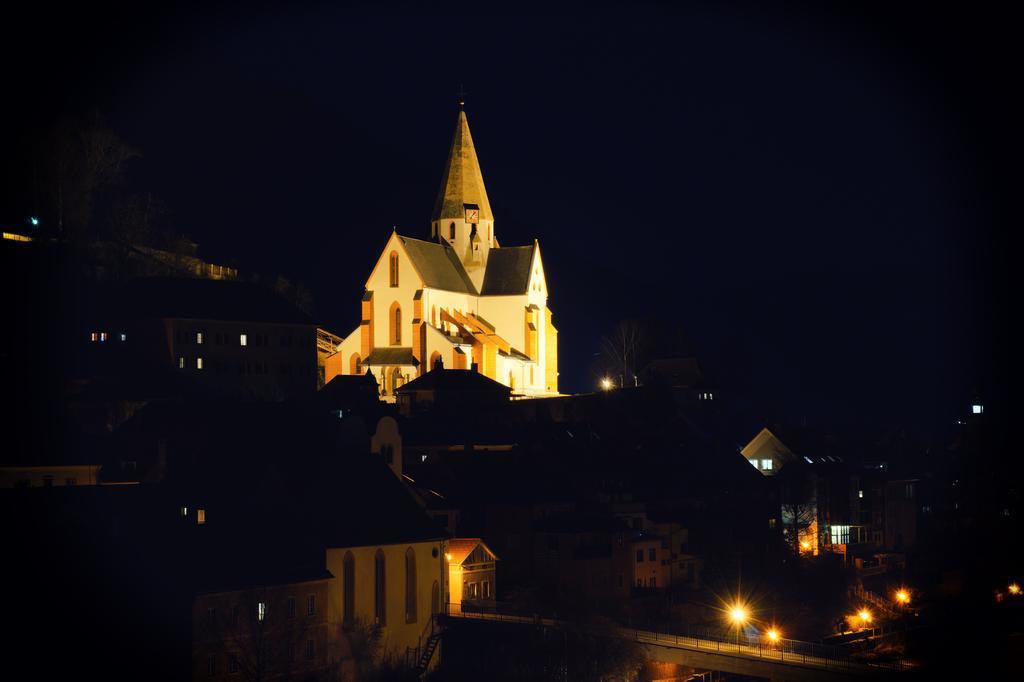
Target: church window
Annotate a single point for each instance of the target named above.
(379, 594)
(396, 324)
(354, 364)
(348, 567)
(433, 315)
(451, 231)
(394, 268)
(410, 586)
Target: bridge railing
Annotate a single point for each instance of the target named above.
(792, 651)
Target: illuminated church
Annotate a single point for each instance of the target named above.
(460, 299)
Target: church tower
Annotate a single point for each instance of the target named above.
(462, 214)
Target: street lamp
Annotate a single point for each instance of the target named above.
(1014, 588)
(738, 614)
(773, 636)
(606, 384)
(903, 597)
(865, 616)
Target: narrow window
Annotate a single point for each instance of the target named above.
(181, 362)
(639, 556)
(199, 363)
(211, 666)
(103, 336)
(451, 231)
(311, 605)
(261, 610)
(394, 268)
(200, 516)
(199, 338)
(410, 586)
(124, 337)
(232, 663)
(766, 464)
(94, 337)
(290, 607)
(379, 593)
(243, 340)
(348, 568)
(652, 554)
(310, 649)
(396, 324)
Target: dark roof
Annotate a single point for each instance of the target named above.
(463, 183)
(438, 265)
(508, 270)
(197, 299)
(351, 391)
(439, 379)
(681, 372)
(391, 356)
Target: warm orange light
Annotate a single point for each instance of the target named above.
(804, 545)
(773, 635)
(902, 597)
(606, 384)
(865, 615)
(1014, 588)
(738, 614)
(448, 556)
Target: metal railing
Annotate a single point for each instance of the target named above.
(787, 651)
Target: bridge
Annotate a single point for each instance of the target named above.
(782, 660)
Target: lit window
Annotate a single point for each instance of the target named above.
(200, 516)
(199, 338)
(94, 337)
(754, 462)
(808, 459)
(766, 464)
(243, 340)
(860, 493)
(977, 409)
(103, 336)
(261, 611)
(124, 337)
(199, 363)
(184, 511)
(181, 362)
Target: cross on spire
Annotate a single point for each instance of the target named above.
(461, 94)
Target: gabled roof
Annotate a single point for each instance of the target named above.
(461, 548)
(508, 270)
(391, 356)
(453, 380)
(438, 265)
(196, 299)
(463, 183)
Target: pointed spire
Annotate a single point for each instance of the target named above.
(463, 183)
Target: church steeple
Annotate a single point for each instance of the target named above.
(462, 213)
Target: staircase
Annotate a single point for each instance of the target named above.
(428, 653)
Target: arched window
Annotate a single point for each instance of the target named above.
(353, 364)
(410, 586)
(395, 319)
(435, 358)
(394, 268)
(348, 568)
(379, 595)
(433, 315)
(451, 231)
(396, 379)
(435, 599)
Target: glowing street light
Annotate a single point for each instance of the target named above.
(903, 597)
(606, 384)
(773, 635)
(1014, 588)
(805, 546)
(738, 614)
(865, 616)
(34, 221)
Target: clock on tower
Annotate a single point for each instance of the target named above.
(472, 215)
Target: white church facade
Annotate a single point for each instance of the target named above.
(460, 299)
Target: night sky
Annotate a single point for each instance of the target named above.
(818, 197)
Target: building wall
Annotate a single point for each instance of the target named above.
(278, 360)
(385, 295)
(397, 635)
(40, 476)
(282, 638)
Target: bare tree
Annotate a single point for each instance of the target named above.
(799, 504)
(622, 351)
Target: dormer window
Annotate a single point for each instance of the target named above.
(451, 231)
